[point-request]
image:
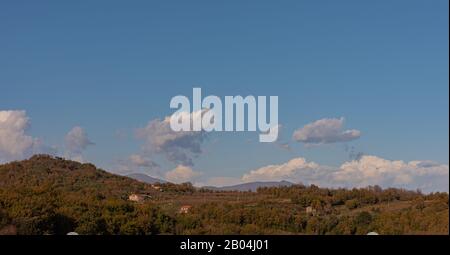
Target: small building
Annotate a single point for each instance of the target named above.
(311, 210)
(185, 208)
(137, 197)
(157, 187)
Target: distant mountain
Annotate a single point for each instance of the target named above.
(253, 186)
(145, 178)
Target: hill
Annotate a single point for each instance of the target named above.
(47, 195)
(44, 172)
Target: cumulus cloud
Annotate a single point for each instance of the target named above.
(368, 170)
(182, 174)
(76, 141)
(288, 170)
(371, 170)
(325, 131)
(15, 144)
(141, 161)
(178, 147)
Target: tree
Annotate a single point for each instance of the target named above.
(352, 203)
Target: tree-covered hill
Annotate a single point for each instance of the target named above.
(46, 195)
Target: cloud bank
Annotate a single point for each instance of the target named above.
(368, 170)
(325, 131)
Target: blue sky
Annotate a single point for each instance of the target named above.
(112, 66)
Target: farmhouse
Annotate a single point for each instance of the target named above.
(138, 197)
(157, 187)
(185, 208)
(311, 210)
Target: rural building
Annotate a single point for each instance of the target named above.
(157, 187)
(311, 210)
(137, 197)
(185, 209)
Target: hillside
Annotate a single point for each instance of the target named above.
(44, 173)
(46, 195)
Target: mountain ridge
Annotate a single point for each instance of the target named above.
(145, 178)
(247, 186)
(251, 186)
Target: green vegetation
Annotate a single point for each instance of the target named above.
(45, 195)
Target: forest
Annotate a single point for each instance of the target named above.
(53, 196)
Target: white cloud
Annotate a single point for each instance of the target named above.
(15, 144)
(136, 163)
(141, 161)
(288, 170)
(76, 142)
(325, 131)
(368, 170)
(178, 147)
(371, 170)
(182, 174)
